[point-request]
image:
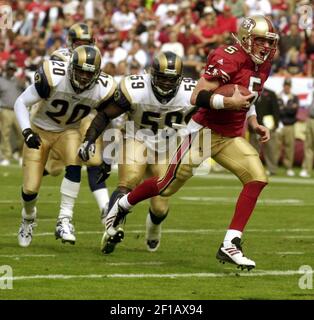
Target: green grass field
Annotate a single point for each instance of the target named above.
(279, 237)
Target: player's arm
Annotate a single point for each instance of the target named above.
(27, 99)
(117, 105)
(203, 96)
(102, 119)
(34, 93)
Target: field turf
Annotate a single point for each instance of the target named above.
(279, 237)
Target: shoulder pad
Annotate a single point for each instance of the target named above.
(61, 55)
(49, 76)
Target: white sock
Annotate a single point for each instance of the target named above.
(102, 198)
(231, 234)
(29, 209)
(69, 192)
(124, 203)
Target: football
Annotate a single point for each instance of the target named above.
(228, 90)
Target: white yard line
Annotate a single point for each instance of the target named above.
(300, 237)
(224, 200)
(206, 201)
(290, 253)
(26, 255)
(154, 275)
(190, 231)
(292, 180)
(150, 263)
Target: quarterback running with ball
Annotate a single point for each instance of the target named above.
(246, 63)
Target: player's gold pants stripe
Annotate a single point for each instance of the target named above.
(175, 162)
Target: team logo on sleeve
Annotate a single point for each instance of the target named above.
(37, 77)
(215, 72)
(117, 95)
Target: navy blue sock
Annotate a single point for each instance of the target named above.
(155, 219)
(92, 173)
(73, 173)
(117, 194)
(28, 197)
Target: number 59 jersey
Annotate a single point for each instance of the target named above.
(61, 108)
(148, 113)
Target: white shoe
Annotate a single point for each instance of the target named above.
(304, 174)
(4, 162)
(233, 254)
(25, 235)
(115, 219)
(114, 233)
(153, 234)
(290, 173)
(65, 231)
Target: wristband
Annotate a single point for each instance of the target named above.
(218, 101)
(203, 99)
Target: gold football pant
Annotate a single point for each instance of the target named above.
(55, 164)
(64, 144)
(132, 170)
(235, 154)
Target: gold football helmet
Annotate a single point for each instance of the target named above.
(166, 72)
(258, 38)
(84, 67)
(80, 34)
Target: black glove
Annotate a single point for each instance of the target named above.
(104, 172)
(86, 150)
(31, 138)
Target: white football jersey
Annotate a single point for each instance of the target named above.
(61, 107)
(148, 113)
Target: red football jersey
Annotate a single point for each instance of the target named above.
(231, 64)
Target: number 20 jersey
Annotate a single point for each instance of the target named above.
(61, 108)
(147, 112)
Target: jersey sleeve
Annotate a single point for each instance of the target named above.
(221, 66)
(122, 97)
(106, 95)
(43, 80)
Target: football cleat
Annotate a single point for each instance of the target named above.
(233, 254)
(65, 231)
(25, 234)
(108, 243)
(114, 221)
(153, 234)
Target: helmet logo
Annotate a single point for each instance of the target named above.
(248, 24)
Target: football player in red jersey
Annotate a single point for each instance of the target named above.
(245, 63)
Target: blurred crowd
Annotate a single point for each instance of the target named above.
(129, 33)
